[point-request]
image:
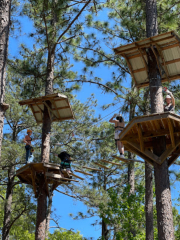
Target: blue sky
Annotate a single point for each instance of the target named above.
(64, 204)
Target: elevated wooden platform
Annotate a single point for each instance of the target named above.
(138, 135)
(165, 48)
(31, 172)
(58, 107)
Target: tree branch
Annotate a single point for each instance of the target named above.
(100, 84)
(71, 23)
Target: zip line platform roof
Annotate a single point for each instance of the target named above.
(58, 105)
(167, 53)
(29, 174)
(139, 134)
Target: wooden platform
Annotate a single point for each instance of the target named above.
(58, 107)
(30, 173)
(167, 53)
(138, 135)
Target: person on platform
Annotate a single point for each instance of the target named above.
(119, 126)
(170, 101)
(28, 147)
(65, 161)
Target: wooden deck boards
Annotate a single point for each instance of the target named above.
(29, 174)
(138, 135)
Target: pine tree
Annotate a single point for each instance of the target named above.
(163, 194)
(5, 8)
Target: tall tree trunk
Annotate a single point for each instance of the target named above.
(9, 196)
(105, 231)
(45, 151)
(148, 185)
(8, 204)
(5, 6)
(131, 180)
(163, 194)
(48, 214)
(131, 176)
(149, 201)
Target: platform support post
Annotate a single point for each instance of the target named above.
(163, 194)
(41, 210)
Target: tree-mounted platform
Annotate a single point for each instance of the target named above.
(138, 135)
(59, 108)
(166, 51)
(30, 174)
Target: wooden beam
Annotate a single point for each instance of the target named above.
(175, 44)
(49, 109)
(22, 169)
(173, 158)
(55, 185)
(145, 45)
(41, 110)
(144, 60)
(74, 175)
(55, 96)
(134, 56)
(163, 60)
(113, 163)
(51, 166)
(59, 108)
(66, 194)
(157, 60)
(56, 109)
(85, 173)
(141, 119)
(33, 113)
(139, 70)
(58, 176)
(126, 160)
(130, 68)
(93, 169)
(140, 154)
(100, 165)
(171, 61)
(151, 134)
(168, 151)
(140, 137)
(163, 80)
(146, 152)
(171, 130)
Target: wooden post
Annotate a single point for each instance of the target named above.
(162, 186)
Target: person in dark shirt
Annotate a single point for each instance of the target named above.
(65, 161)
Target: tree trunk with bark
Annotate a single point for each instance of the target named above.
(45, 151)
(48, 216)
(131, 175)
(8, 204)
(105, 231)
(9, 196)
(163, 194)
(5, 6)
(149, 201)
(148, 185)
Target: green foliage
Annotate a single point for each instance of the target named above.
(64, 235)
(126, 212)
